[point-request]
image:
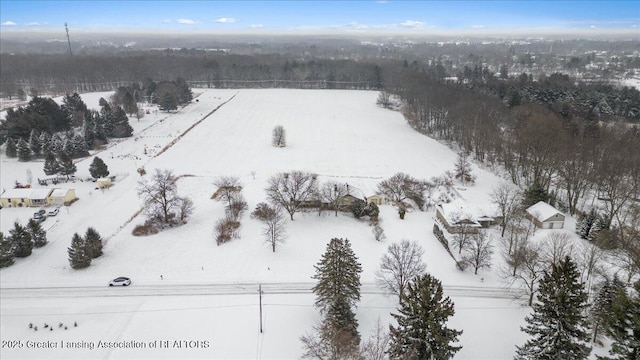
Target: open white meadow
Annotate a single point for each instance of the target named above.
(206, 304)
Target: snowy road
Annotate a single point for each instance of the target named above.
(224, 289)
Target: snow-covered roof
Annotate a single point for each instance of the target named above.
(33, 194)
(458, 210)
(37, 194)
(17, 193)
(59, 192)
(542, 211)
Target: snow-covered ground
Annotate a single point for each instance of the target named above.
(339, 135)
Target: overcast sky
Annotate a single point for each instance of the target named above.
(383, 16)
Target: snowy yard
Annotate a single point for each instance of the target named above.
(340, 135)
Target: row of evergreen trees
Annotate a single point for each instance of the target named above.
(84, 249)
(421, 332)
(558, 327)
(21, 241)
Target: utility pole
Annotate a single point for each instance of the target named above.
(260, 292)
(68, 40)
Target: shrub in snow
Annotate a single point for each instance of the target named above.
(225, 230)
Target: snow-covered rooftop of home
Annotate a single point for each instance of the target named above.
(542, 211)
(26, 193)
(459, 209)
(59, 192)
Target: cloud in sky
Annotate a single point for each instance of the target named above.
(225, 20)
(413, 24)
(35, 23)
(187, 21)
(477, 26)
(9, 23)
(256, 26)
(166, 21)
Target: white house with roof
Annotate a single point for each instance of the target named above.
(545, 216)
(25, 197)
(459, 215)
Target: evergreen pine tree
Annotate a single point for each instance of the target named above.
(51, 166)
(34, 143)
(78, 146)
(534, 194)
(338, 275)
(67, 167)
(120, 121)
(6, 252)
(12, 149)
(337, 290)
(168, 101)
(422, 332)
(624, 325)
(38, 234)
(594, 230)
(584, 226)
(88, 129)
(93, 242)
(98, 168)
(78, 257)
(21, 240)
(24, 153)
(56, 143)
(45, 142)
(557, 326)
(601, 309)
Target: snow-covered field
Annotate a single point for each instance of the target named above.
(207, 299)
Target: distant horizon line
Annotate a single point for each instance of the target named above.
(468, 32)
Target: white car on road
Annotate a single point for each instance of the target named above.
(120, 281)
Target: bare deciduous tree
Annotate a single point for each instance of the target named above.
(332, 193)
(401, 187)
(274, 231)
(236, 207)
(376, 346)
(555, 247)
(463, 168)
(185, 207)
(228, 188)
(279, 136)
(463, 231)
(399, 266)
(160, 196)
(291, 190)
(530, 269)
(478, 253)
(508, 200)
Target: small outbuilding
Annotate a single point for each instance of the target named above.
(545, 216)
(103, 183)
(376, 199)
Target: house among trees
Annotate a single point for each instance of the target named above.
(545, 216)
(36, 197)
(25, 197)
(458, 216)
